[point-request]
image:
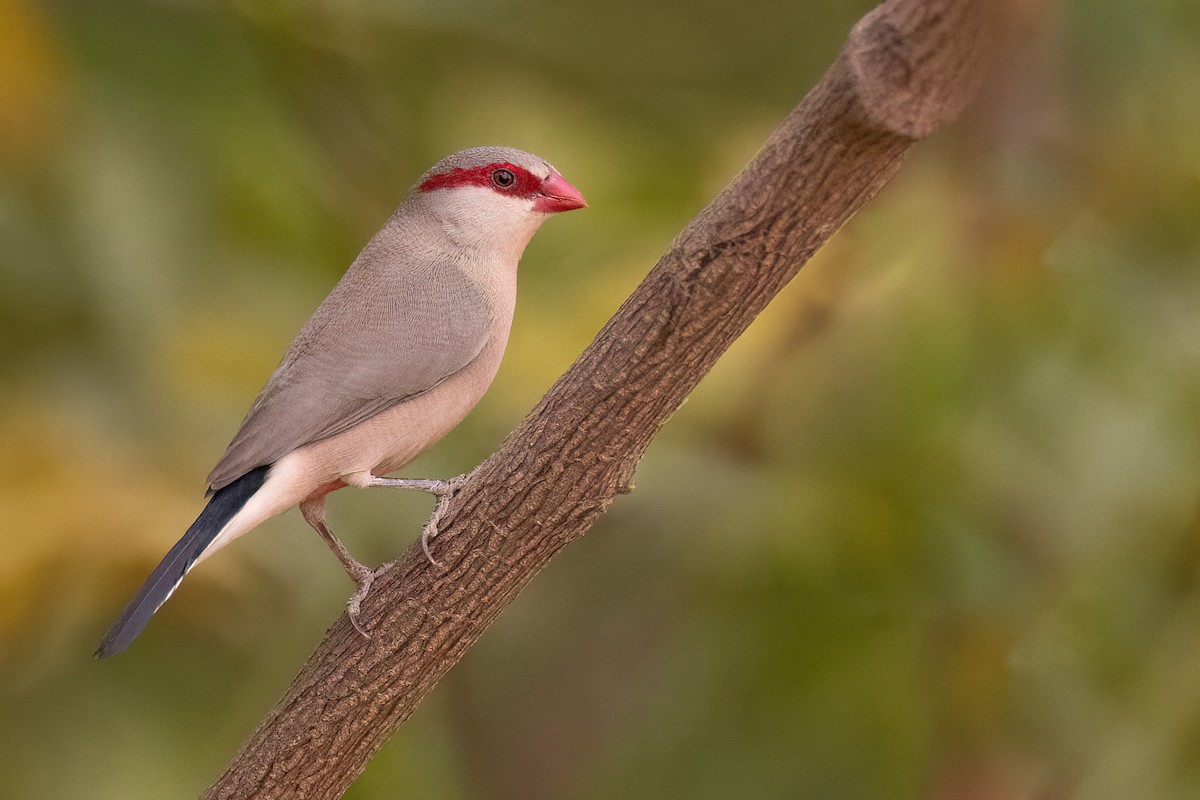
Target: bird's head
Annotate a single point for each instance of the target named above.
(494, 196)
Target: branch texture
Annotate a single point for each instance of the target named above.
(907, 67)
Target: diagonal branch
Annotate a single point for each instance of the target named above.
(907, 67)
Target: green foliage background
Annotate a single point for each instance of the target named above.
(930, 530)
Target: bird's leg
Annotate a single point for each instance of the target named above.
(363, 576)
(443, 490)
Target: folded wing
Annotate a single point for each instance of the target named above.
(381, 337)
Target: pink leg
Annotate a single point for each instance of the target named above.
(363, 576)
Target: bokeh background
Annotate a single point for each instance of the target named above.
(930, 530)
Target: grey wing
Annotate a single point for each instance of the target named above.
(375, 341)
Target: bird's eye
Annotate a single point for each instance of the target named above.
(503, 178)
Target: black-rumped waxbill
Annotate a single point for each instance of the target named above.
(397, 354)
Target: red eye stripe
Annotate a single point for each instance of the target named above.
(526, 185)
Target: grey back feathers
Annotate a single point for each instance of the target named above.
(403, 318)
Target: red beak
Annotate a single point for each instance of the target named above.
(558, 195)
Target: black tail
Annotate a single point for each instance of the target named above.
(170, 571)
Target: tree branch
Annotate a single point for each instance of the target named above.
(907, 67)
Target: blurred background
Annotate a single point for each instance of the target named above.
(930, 530)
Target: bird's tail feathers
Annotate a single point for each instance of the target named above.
(221, 508)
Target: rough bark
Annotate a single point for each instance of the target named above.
(907, 67)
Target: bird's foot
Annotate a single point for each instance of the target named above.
(443, 490)
(365, 579)
(444, 493)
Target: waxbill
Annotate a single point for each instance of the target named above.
(397, 354)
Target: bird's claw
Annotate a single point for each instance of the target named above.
(352, 613)
(427, 534)
(430, 531)
(365, 580)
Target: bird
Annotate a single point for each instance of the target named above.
(398, 353)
